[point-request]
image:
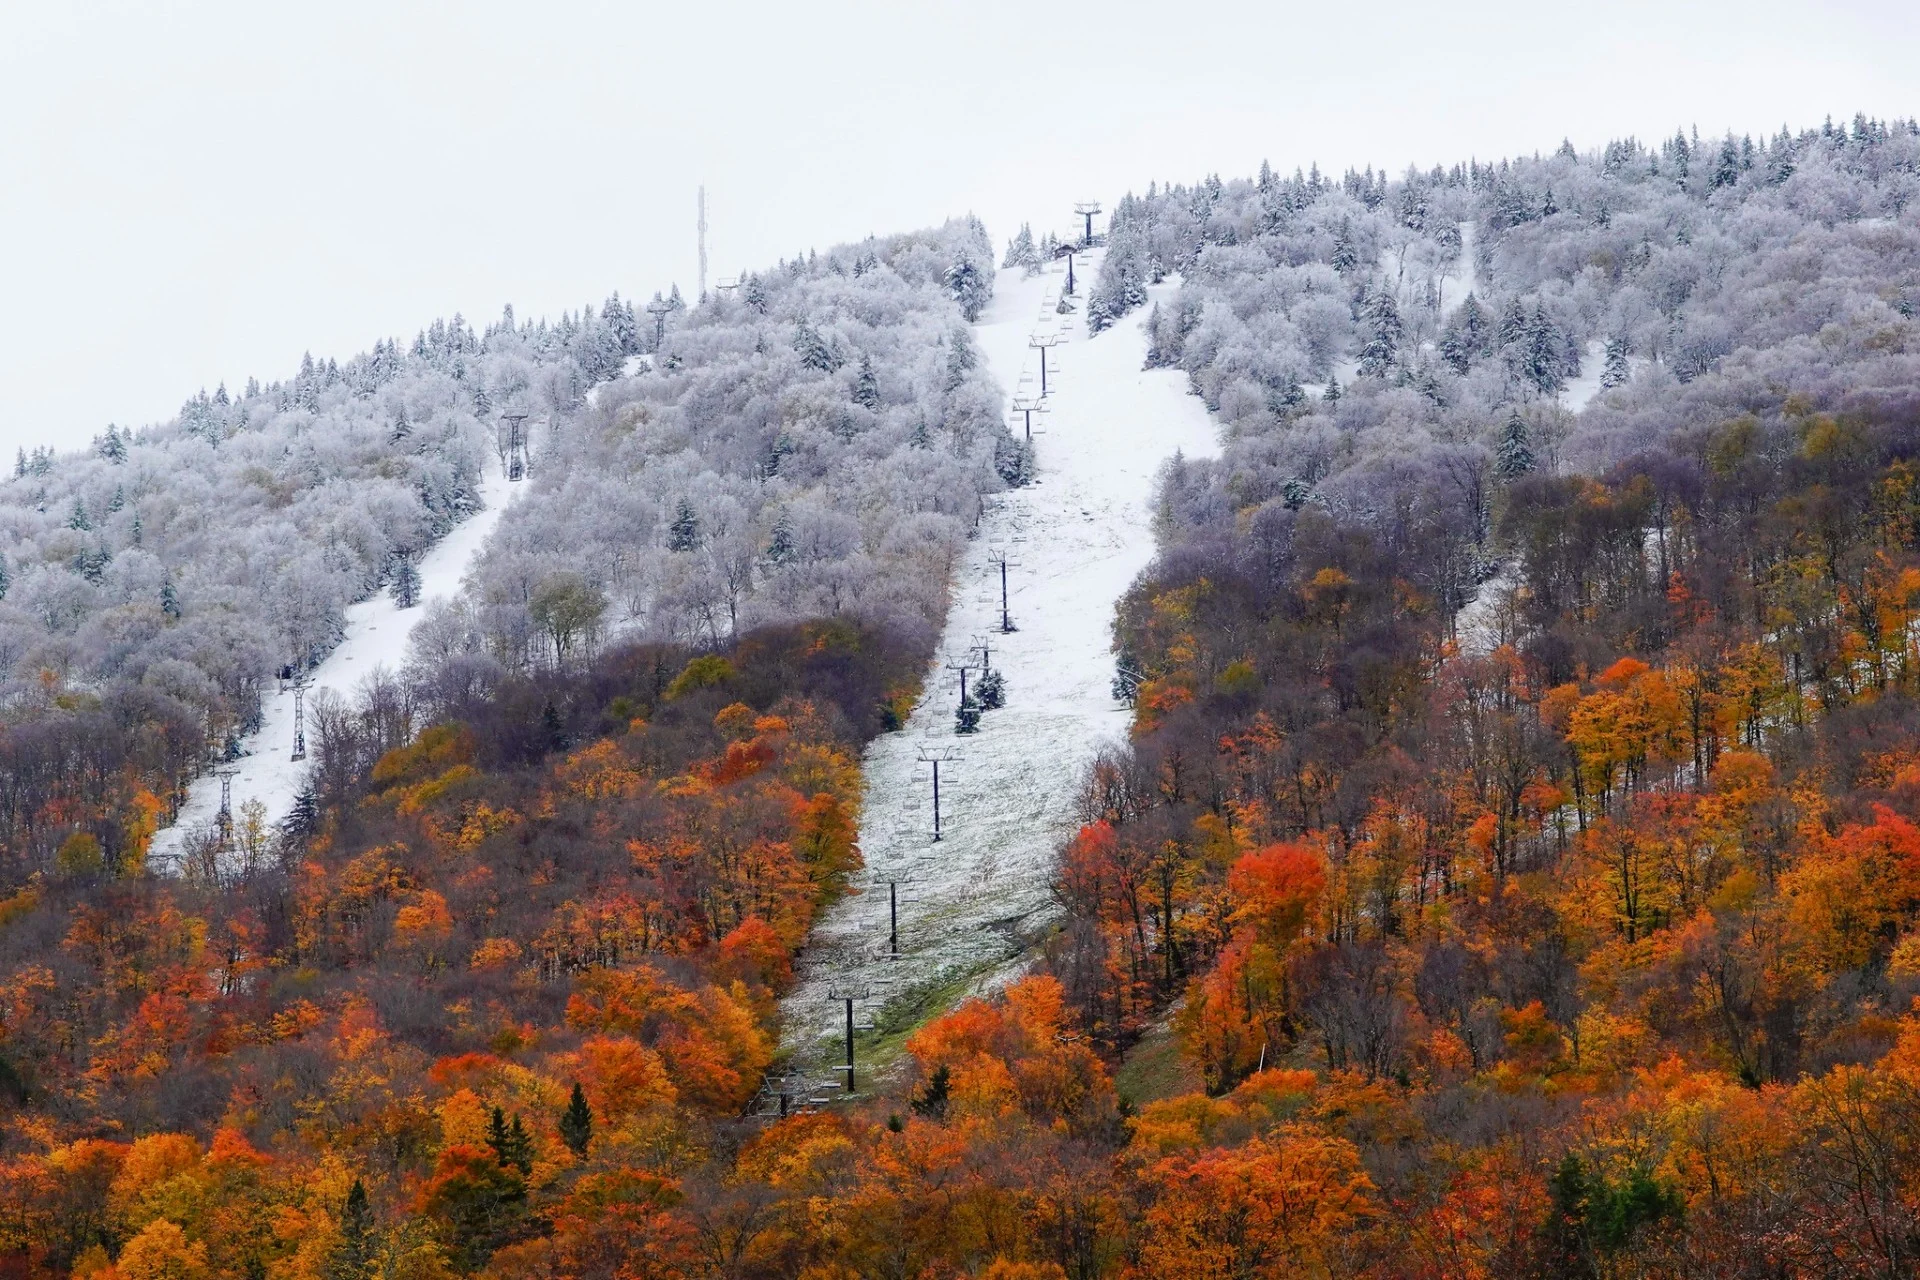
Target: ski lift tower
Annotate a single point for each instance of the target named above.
(659, 309)
(516, 445)
(1087, 209)
(224, 819)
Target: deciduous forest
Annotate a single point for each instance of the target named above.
(1511, 866)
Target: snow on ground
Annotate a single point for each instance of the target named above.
(1460, 280)
(1486, 622)
(1077, 537)
(1593, 363)
(376, 635)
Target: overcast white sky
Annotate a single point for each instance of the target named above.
(193, 192)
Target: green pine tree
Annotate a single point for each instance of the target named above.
(576, 1122)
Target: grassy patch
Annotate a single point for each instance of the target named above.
(1155, 1068)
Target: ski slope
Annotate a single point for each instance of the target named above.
(376, 636)
(1077, 537)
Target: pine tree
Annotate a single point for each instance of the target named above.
(1617, 370)
(866, 387)
(576, 1122)
(169, 600)
(780, 548)
(1344, 258)
(812, 349)
(5, 580)
(968, 286)
(1331, 396)
(1514, 457)
(302, 820)
(991, 691)
(138, 533)
(119, 499)
(960, 359)
(77, 519)
(112, 447)
(1382, 319)
(684, 533)
(353, 1258)
(20, 464)
(406, 581)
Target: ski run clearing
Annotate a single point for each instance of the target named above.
(376, 636)
(1076, 539)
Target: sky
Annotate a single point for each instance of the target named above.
(198, 192)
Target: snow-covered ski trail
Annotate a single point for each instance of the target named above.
(376, 636)
(1077, 537)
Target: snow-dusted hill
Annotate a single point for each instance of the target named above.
(376, 636)
(1077, 538)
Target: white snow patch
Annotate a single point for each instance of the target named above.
(1461, 279)
(1593, 364)
(376, 636)
(1077, 537)
(1486, 622)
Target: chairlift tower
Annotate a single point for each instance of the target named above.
(223, 820)
(846, 997)
(659, 309)
(1006, 618)
(1043, 342)
(1087, 209)
(937, 756)
(516, 445)
(1027, 407)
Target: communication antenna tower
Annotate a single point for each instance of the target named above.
(300, 716)
(703, 244)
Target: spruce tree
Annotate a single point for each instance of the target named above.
(1617, 371)
(406, 581)
(576, 1122)
(77, 519)
(353, 1257)
(169, 600)
(780, 548)
(20, 464)
(866, 387)
(5, 580)
(684, 533)
(1514, 457)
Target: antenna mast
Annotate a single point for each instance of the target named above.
(703, 244)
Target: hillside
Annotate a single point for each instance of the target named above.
(1454, 810)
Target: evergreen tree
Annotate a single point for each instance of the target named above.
(20, 464)
(1344, 258)
(353, 1257)
(991, 691)
(138, 533)
(866, 386)
(1617, 371)
(1331, 396)
(5, 580)
(960, 358)
(169, 600)
(406, 581)
(1514, 457)
(112, 447)
(1382, 320)
(968, 286)
(780, 548)
(576, 1122)
(303, 819)
(684, 533)
(119, 499)
(812, 349)
(77, 519)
